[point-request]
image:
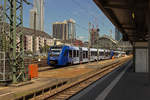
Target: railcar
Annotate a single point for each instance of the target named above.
(93, 54)
(74, 53)
(122, 53)
(58, 55)
(106, 54)
(101, 54)
(117, 54)
(63, 55)
(83, 55)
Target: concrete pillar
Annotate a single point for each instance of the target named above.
(141, 57)
(134, 56)
(148, 24)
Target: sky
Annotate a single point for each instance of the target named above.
(82, 11)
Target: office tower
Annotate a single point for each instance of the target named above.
(93, 36)
(118, 35)
(38, 9)
(64, 30)
(34, 17)
(42, 15)
(60, 30)
(71, 29)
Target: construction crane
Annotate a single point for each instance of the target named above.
(13, 18)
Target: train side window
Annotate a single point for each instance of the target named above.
(74, 53)
(77, 53)
(102, 53)
(92, 53)
(70, 53)
(65, 53)
(86, 54)
(83, 54)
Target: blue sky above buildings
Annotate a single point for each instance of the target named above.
(82, 11)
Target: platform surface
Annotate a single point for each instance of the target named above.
(53, 76)
(48, 78)
(130, 86)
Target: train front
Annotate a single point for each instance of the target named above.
(54, 55)
(58, 55)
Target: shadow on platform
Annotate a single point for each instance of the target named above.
(132, 86)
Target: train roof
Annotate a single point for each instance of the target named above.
(73, 48)
(117, 51)
(101, 50)
(106, 50)
(123, 52)
(84, 48)
(93, 49)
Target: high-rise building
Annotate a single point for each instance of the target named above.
(42, 15)
(1, 13)
(34, 17)
(71, 29)
(118, 35)
(64, 30)
(60, 30)
(38, 10)
(94, 36)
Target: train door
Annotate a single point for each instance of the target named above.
(65, 57)
(70, 56)
(81, 55)
(77, 55)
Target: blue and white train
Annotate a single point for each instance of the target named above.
(63, 55)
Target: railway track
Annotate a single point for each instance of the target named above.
(41, 69)
(68, 90)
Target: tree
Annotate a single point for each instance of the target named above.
(44, 49)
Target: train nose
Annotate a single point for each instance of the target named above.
(53, 62)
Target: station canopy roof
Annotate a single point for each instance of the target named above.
(129, 16)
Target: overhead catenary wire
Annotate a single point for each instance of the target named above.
(83, 27)
(87, 11)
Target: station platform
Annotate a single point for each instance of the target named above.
(49, 77)
(121, 84)
(53, 77)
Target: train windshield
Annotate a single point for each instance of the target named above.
(55, 51)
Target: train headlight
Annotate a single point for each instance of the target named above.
(39, 59)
